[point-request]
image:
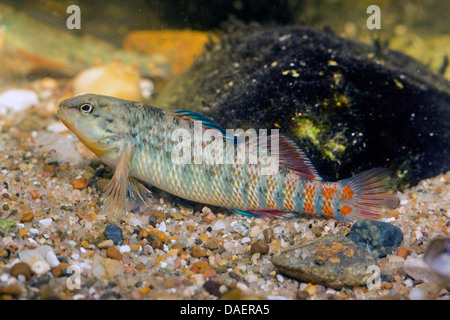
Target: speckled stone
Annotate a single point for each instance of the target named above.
(334, 261)
(114, 233)
(377, 237)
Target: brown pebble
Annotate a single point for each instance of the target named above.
(209, 217)
(105, 244)
(403, 252)
(259, 247)
(157, 244)
(84, 244)
(21, 268)
(22, 232)
(268, 235)
(197, 252)
(34, 194)
(11, 290)
(4, 253)
(58, 271)
(140, 266)
(113, 253)
(190, 227)
(50, 169)
(28, 217)
(134, 247)
(80, 183)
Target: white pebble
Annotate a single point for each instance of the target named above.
(250, 278)
(124, 249)
(245, 240)
(52, 259)
(416, 294)
(57, 127)
(280, 278)
(46, 222)
(17, 100)
(33, 230)
(162, 227)
(40, 267)
(218, 225)
(75, 256)
(403, 202)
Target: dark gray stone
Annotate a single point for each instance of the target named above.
(378, 238)
(114, 233)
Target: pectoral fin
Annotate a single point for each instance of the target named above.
(116, 190)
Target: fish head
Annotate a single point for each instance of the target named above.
(98, 121)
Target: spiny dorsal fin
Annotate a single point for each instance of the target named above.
(192, 117)
(290, 155)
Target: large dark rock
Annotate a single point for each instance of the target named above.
(352, 106)
(377, 237)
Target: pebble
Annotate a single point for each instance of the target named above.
(377, 237)
(52, 259)
(418, 269)
(259, 247)
(162, 227)
(242, 228)
(30, 257)
(107, 268)
(46, 222)
(218, 225)
(28, 217)
(105, 244)
(113, 253)
(114, 233)
(124, 249)
(40, 267)
(11, 290)
(17, 100)
(80, 183)
(334, 261)
(21, 268)
(114, 79)
(198, 252)
(416, 294)
(4, 253)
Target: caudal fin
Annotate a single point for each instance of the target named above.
(367, 195)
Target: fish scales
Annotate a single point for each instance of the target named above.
(147, 145)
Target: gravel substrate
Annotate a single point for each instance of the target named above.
(53, 242)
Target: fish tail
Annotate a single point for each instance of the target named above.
(367, 195)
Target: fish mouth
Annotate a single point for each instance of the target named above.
(90, 144)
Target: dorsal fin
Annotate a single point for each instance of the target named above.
(192, 117)
(290, 155)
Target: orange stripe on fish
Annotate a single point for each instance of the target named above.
(308, 196)
(347, 193)
(289, 192)
(328, 193)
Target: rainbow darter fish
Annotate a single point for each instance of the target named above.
(139, 142)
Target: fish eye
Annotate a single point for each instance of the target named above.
(86, 108)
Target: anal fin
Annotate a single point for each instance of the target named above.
(273, 214)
